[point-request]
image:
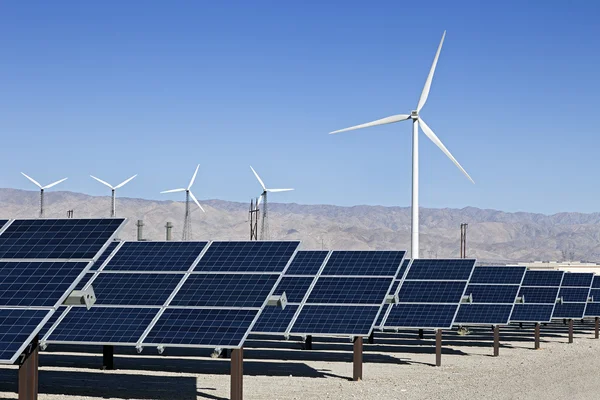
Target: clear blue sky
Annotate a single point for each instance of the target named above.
(115, 88)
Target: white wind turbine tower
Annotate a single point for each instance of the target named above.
(264, 222)
(187, 223)
(417, 120)
(113, 206)
(42, 188)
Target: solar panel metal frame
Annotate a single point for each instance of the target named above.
(383, 322)
(591, 299)
(304, 302)
(575, 302)
(139, 344)
(540, 304)
(53, 309)
(495, 284)
(381, 325)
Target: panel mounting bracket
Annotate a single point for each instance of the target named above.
(85, 297)
(278, 301)
(392, 299)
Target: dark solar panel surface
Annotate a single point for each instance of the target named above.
(592, 309)
(225, 290)
(307, 262)
(569, 310)
(274, 319)
(431, 292)
(542, 278)
(202, 327)
(16, 326)
(39, 284)
(574, 294)
(103, 325)
(493, 293)
(294, 287)
(493, 314)
(439, 269)
(545, 295)
(577, 279)
(109, 249)
(134, 289)
(57, 238)
(334, 290)
(421, 315)
(532, 313)
(504, 275)
(539, 291)
(247, 256)
(364, 263)
(596, 282)
(350, 320)
(155, 256)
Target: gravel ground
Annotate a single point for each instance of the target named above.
(397, 366)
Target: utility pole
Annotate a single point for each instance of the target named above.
(254, 215)
(463, 240)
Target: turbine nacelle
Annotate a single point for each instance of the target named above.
(414, 115)
(188, 190)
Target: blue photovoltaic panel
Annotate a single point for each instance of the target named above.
(307, 262)
(343, 320)
(596, 282)
(542, 278)
(364, 263)
(439, 269)
(134, 289)
(532, 313)
(504, 275)
(202, 327)
(247, 256)
(493, 293)
(109, 249)
(294, 287)
(492, 314)
(403, 268)
(53, 318)
(36, 283)
(103, 325)
(421, 315)
(394, 287)
(225, 290)
(539, 295)
(595, 294)
(577, 279)
(336, 290)
(592, 309)
(574, 294)
(274, 319)
(57, 238)
(431, 292)
(155, 256)
(16, 326)
(569, 310)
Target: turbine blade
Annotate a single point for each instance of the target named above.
(279, 190)
(174, 190)
(193, 177)
(427, 130)
(196, 201)
(125, 182)
(427, 86)
(382, 121)
(32, 180)
(54, 183)
(259, 200)
(258, 177)
(103, 182)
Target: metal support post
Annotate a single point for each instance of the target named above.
(597, 328)
(308, 343)
(420, 333)
(570, 331)
(358, 359)
(537, 336)
(496, 341)
(438, 347)
(371, 339)
(108, 357)
(28, 372)
(237, 374)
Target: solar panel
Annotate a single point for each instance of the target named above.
(592, 308)
(364, 263)
(573, 295)
(430, 294)
(173, 298)
(18, 327)
(393, 291)
(307, 262)
(2, 223)
(57, 238)
(341, 320)
(493, 291)
(538, 292)
(105, 254)
(349, 290)
(274, 319)
(155, 256)
(294, 288)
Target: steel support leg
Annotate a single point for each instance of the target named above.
(371, 339)
(237, 374)
(108, 357)
(570, 331)
(308, 343)
(496, 341)
(28, 373)
(597, 328)
(438, 348)
(357, 359)
(420, 333)
(537, 336)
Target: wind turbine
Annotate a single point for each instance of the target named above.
(42, 188)
(417, 120)
(187, 223)
(264, 223)
(113, 210)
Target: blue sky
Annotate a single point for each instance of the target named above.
(114, 89)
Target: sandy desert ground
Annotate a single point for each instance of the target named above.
(397, 366)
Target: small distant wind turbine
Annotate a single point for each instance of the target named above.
(264, 223)
(113, 210)
(187, 223)
(42, 188)
(416, 118)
